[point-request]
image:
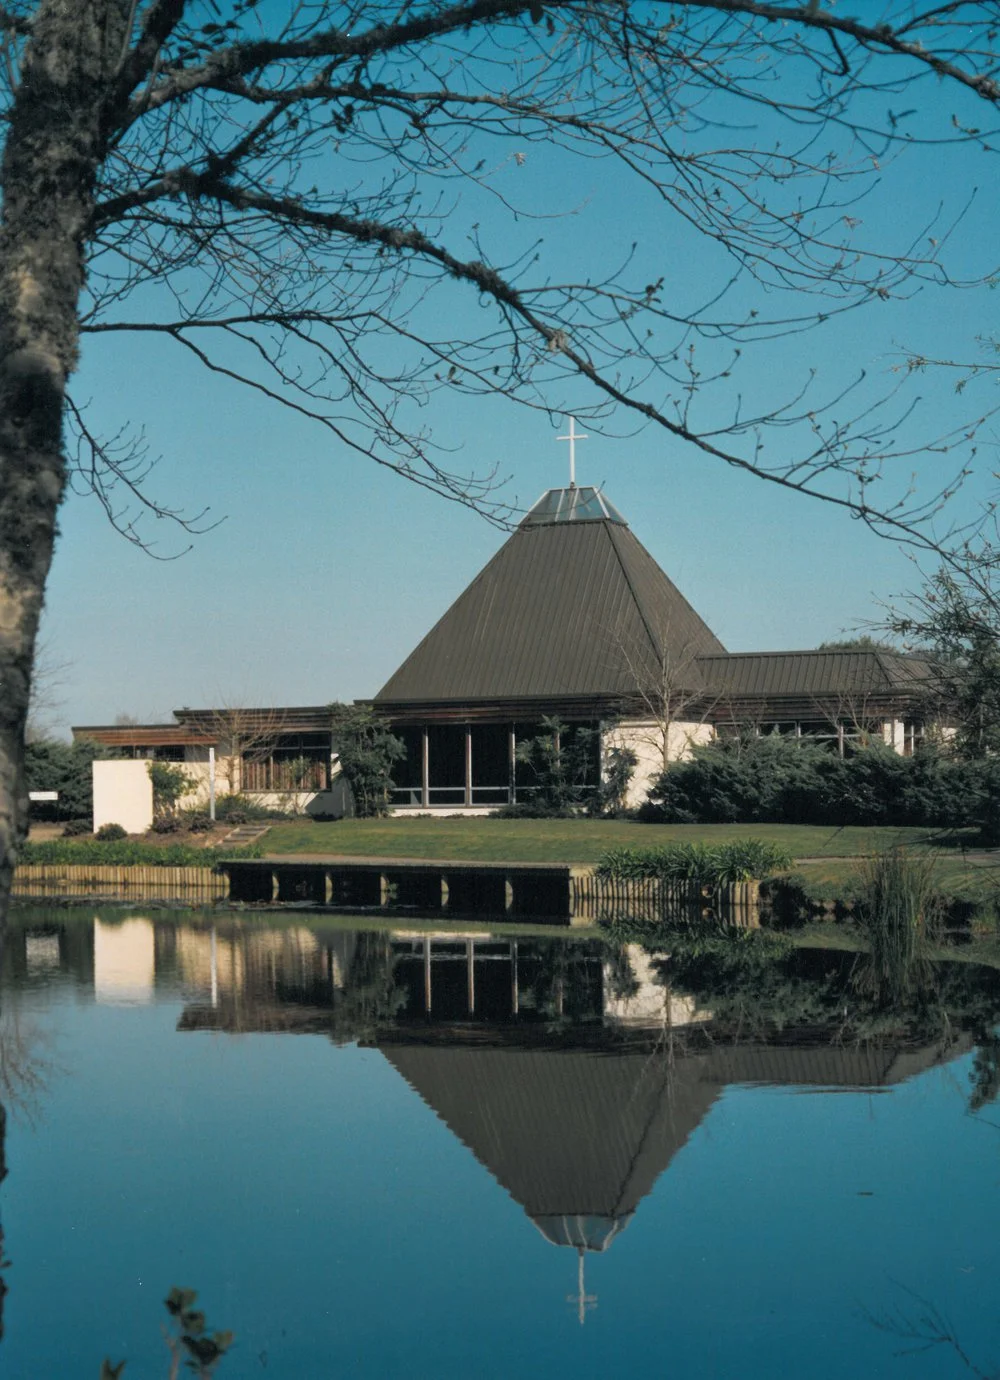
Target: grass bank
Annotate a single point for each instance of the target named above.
(130, 852)
(965, 884)
(564, 840)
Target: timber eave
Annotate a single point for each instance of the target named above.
(526, 709)
(143, 735)
(887, 704)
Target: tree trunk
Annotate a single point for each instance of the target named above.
(3, 1175)
(53, 151)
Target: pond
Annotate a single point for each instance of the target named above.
(395, 1153)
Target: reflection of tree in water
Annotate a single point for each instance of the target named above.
(760, 987)
(24, 1068)
(922, 1326)
(22, 1080)
(619, 972)
(562, 981)
(985, 1076)
(371, 996)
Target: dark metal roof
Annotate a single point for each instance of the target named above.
(572, 608)
(847, 672)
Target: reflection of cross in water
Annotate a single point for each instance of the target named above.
(581, 1298)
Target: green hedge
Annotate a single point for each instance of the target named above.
(774, 780)
(129, 853)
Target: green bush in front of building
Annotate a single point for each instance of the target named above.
(776, 780)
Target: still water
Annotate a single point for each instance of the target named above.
(383, 1154)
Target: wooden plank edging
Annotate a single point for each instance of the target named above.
(81, 879)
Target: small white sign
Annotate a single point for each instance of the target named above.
(43, 795)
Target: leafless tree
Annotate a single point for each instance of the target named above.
(671, 694)
(48, 684)
(275, 191)
(243, 736)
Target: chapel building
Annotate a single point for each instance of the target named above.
(571, 620)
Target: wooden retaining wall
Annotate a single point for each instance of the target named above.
(569, 894)
(101, 879)
(641, 898)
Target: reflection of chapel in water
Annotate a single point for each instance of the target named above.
(562, 1065)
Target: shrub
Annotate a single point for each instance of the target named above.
(743, 860)
(988, 802)
(750, 860)
(534, 808)
(240, 809)
(561, 761)
(64, 767)
(128, 852)
(75, 827)
(747, 782)
(170, 785)
(110, 833)
(784, 781)
(368, 751)
(200, 824)
(616, 777)
(166, 824)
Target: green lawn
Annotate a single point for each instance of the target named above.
(559, 840)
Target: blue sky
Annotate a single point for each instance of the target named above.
(327, 570)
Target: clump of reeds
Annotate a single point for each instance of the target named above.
(705, 865)
(898, 912)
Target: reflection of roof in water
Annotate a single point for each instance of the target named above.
(583, 1233)
(823, 1065)
(579, 1137)
(568, 1133)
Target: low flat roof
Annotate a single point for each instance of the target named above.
(142, 735)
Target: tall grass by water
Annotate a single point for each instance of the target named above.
(899, 913)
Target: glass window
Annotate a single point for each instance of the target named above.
(490, 755)
(290, 762)
(913, 735)
(408, 771)
(446, 757)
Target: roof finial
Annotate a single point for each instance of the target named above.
(572, 438)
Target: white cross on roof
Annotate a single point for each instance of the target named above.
(572, 437)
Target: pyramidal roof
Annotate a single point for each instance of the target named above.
(571, 605)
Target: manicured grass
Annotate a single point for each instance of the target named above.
(560, 840)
